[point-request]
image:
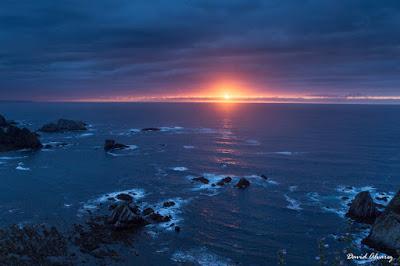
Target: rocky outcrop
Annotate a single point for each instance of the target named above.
(14, 138)
(385, 232)
(63, 125)
(168, 204)
(124, 197)
(363, 209)
(201, 179)
(224, 181)
(110, 144)
(151, 129)
(126, 216)
(243, 183)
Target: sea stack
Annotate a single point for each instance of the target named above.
(63, 125)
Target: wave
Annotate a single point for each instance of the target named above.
(21, 167)
(179, 168)
(122, 152)
(293, 204)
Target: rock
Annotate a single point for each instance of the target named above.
(363, 209)
(63, 125)
(264, 176)
(201, 179)
(382, 198)
(385, 232)
(14, 138)
(151, 129)
(123, 217)
(243, 183)
(112, 145)
(147, 211)
(224, 181)
(124, 197)
(168, 204)
(345, 198)
(177, 229)
(156, 217)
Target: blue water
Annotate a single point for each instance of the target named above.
(310, 153)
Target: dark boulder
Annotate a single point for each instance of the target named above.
(147, 211)
(168, 204)
(264, 176)
(224, 181)
(158, 218)
(385, 232)
(112, 145)
(243, 183)
(124, 197)
(14, 138)
(124, 217)
(151, 129)
(63, 125)
(201, 179)
(363, 208)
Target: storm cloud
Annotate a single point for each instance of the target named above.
(89, 49)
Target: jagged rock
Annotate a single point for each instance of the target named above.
(243, 183)
(151, 129)
(147, 211)
(156, 217)
(112, 145)
(14, 138)
(63, 125)
(201, 179)
(124, 216)
(385, 232)
(363, 208)
(124, 197)
(264, 176)
(224, 181)
(168, 204)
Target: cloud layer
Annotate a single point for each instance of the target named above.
(92, 49)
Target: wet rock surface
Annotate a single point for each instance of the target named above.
(385, 232)
(111, 144)
(63, 125)
(224, 181)
(243, 183)
(201, 179)
(363, 209)
(14, 138)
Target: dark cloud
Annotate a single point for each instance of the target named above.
(76, 49)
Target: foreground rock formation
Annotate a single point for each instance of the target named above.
(63, 125)
(385, 232)
(363, 209)
(14, 138)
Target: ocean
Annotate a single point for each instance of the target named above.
(315, 158)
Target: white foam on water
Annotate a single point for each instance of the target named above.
(12, 157)
(120, 152)
(169, 129)
(94, 204)
(200, 256)
(188, 147)
(179, 168)
(261, 181)
(84, 135)
(21, 167)
(293, 188)
(293, 204)
(213, 179)
(175, 212)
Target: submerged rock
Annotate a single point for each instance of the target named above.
(385, 232)
(151, 129)
(63, 125)
(363, 208)
(168, 204)
(110, 144)
(14, 138)
(124, 216)
(243, 183)
(224, 181)
(201, 179)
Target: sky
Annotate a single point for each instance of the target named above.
(194, 49)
